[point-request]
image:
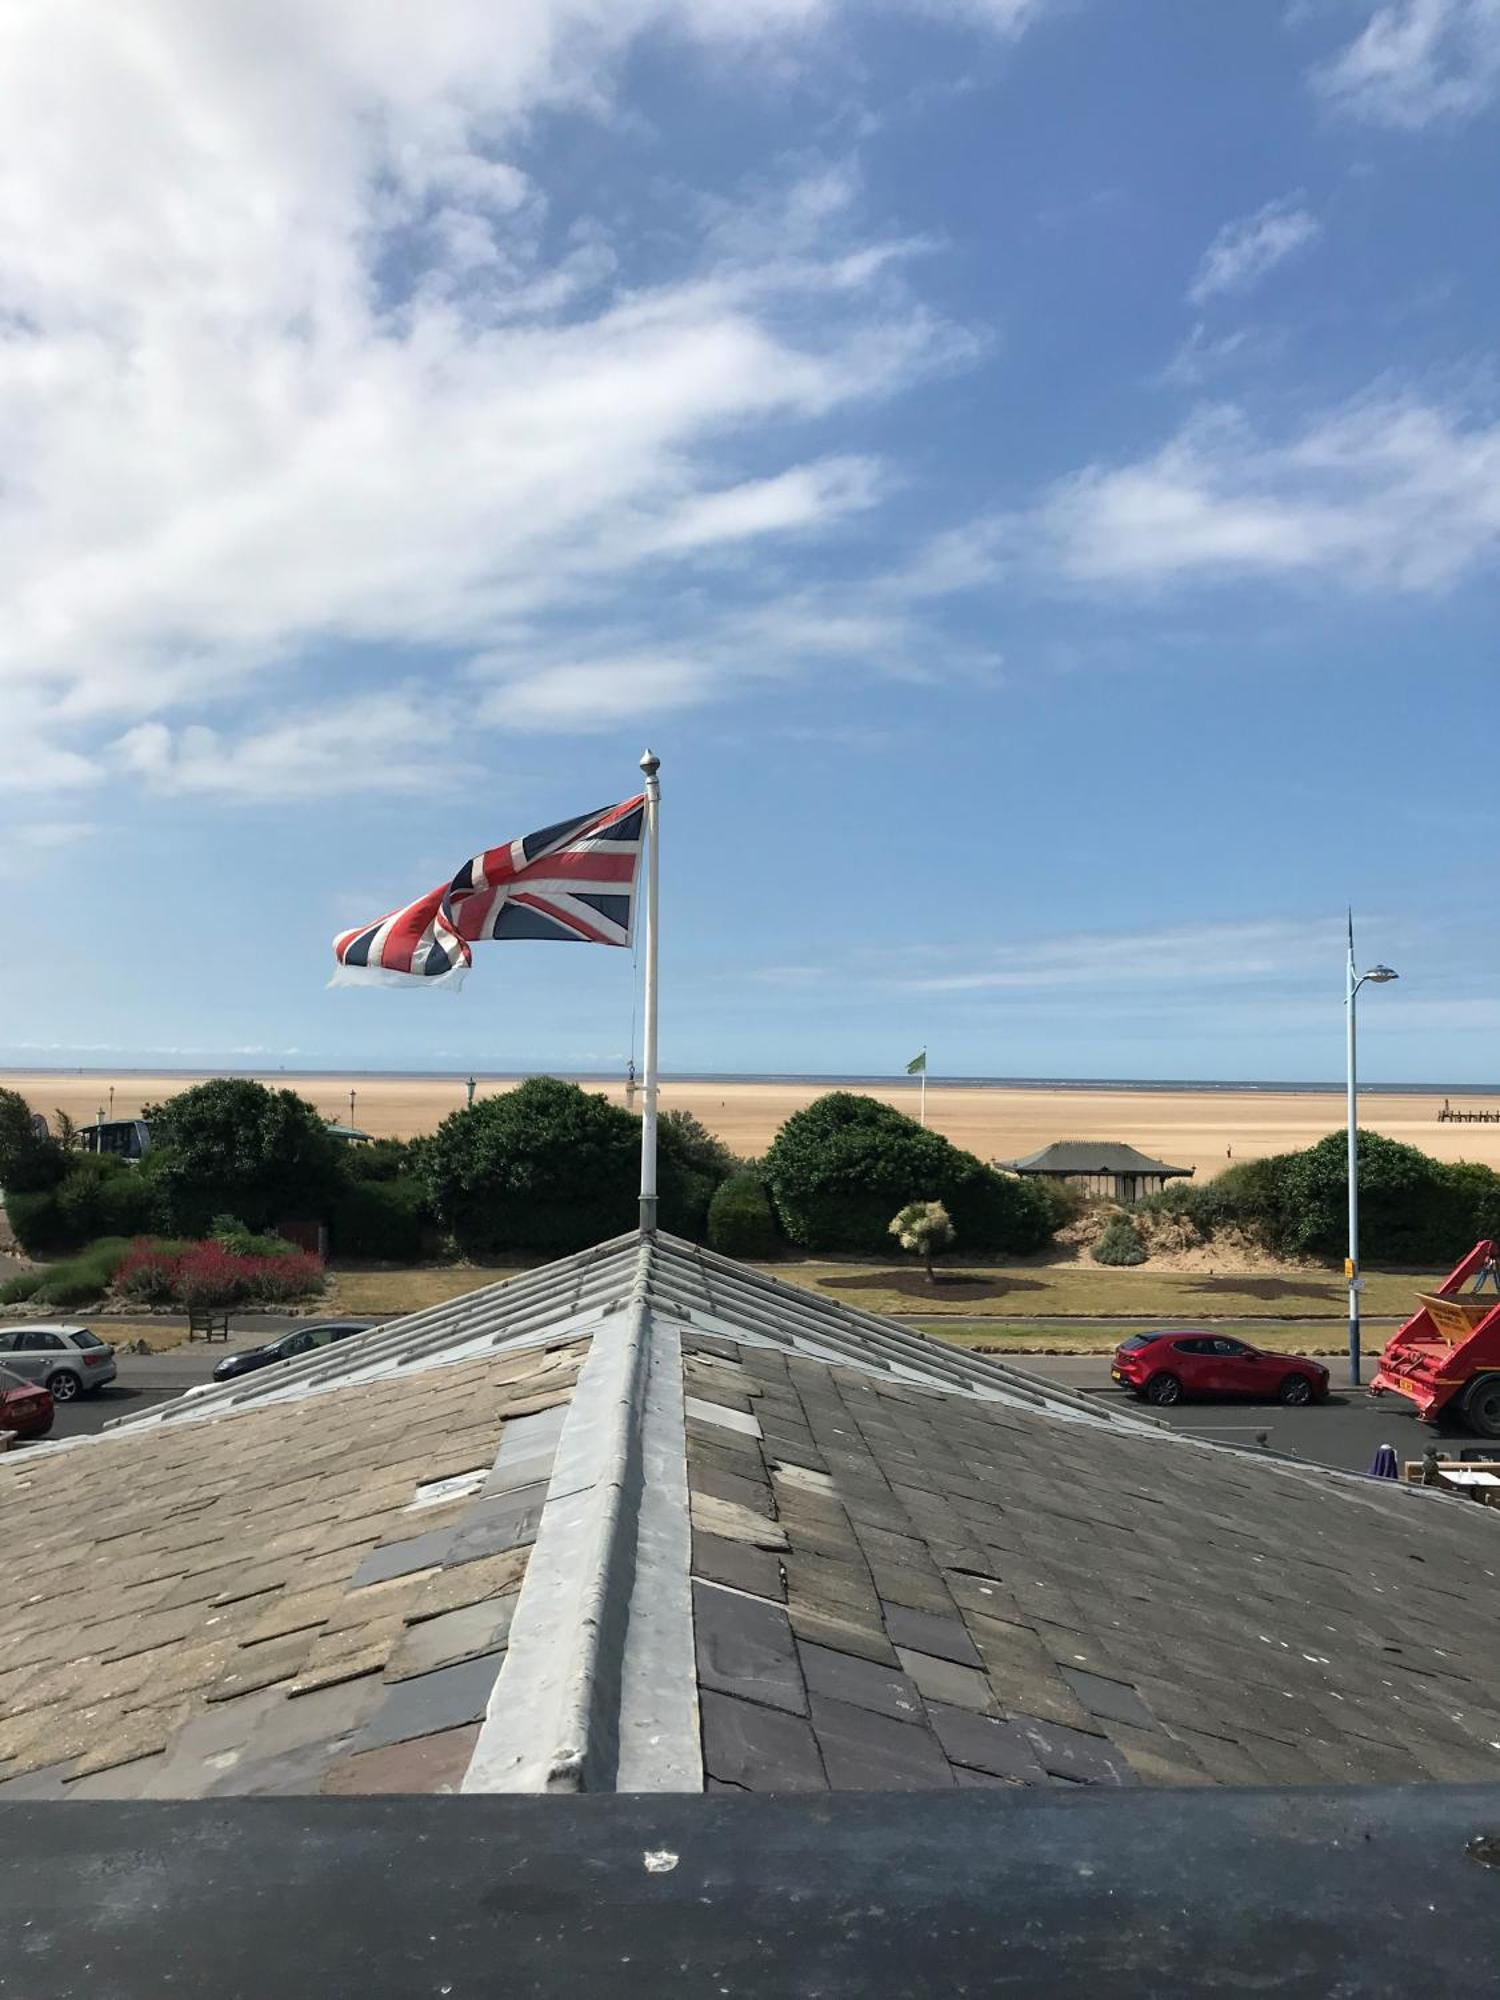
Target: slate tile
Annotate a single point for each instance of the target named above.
(454, 1636)
(446, 1699)
(718, 1560)
(971, 1777)
(758, 1749)
(252, 1667)
(392, 1559)
(926, 1632)
(735, 1523)
(425, 1764)
(1068, 1753)
(471, 1583)
(987, 1743)
(493, 1526)
(864, 1683)
(1157, 1758)
(47, 1782)
(827, 1583)
(753, 1494)
(841, 1632)
(723, 1416)
(867, 1752)
(916, 1589)
(945, 1681)
(745, 1647)
(1111, 1700)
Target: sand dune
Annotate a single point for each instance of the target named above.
(1201, 1129)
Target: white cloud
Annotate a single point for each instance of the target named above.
(1418, 62)
(1385, 494)
(1273, 949)
(379, 742)
(291, 357)
(585, 695)
(1244, 251)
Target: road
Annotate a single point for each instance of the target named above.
(1345, 1431)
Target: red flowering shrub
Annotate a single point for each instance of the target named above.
(205, 1277)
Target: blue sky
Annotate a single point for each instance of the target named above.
(1030, 467)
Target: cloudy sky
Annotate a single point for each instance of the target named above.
(1030, 467)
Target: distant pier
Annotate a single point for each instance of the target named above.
(1448, 1116)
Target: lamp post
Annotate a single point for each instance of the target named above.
(1378, 975)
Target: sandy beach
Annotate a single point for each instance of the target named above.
(1202, 1129)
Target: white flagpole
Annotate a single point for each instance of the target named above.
(924, 1086)
(650, 764)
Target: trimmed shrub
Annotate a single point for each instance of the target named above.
(1120, 1244)
(741, 1221)
(17, 1290)
(546, 1166)
(381, 1218)
(838, 1170)
(234, 1147)
(97, 1196)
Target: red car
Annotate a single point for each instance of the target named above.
(1166, 1367)
(25, 1407)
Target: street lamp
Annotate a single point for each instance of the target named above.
(1378, 975)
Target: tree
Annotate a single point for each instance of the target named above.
(838, 1169)
(688, 1139)
(546, 1166)
(234, 1147)
(30, 1160)
(926, 1229)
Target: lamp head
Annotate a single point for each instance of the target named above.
(1378, 975)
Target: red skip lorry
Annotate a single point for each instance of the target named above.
(1446, 1359)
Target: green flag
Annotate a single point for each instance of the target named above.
(918, 1065)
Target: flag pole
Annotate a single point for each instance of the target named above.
(650, 764)
(924, 1086)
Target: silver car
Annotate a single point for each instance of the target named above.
(68, 1360)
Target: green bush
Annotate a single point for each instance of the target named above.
(741, 1221)
(839, 1169)
(29, 1162)
(1120, 1244)
(1413, 1209)
(546, 1167)
(97, 1196)
(381, 1218)
(234, 1147)
(17, 1290)
(78, 1281)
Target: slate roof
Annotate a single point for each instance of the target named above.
(713, 1532)
(1092, 1156)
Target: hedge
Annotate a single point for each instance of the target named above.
(840, 1169)
(741, 1221)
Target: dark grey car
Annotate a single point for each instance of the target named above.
(68, 1360)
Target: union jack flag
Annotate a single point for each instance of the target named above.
(571, 883)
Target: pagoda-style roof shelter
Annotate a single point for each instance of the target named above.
(1103, 1166)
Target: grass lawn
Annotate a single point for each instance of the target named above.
(1018, 1294)
(1092, 1291)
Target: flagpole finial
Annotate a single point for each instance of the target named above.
(650, 763)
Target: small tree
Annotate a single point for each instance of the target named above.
(234, 1147)
(926, 1229)
(30, 1160)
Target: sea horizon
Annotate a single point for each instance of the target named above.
(1163, 1086)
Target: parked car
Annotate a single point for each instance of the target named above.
(24, 1408)
(1166, 1367)
(68, 1361)
(287, 1346)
